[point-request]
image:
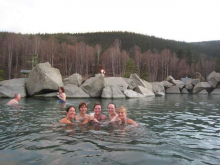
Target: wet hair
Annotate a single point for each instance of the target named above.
(123, 109)
(62, 89)
(113, 104)
(16, 95)
(82, 104)
(68, 108)
(97, 104)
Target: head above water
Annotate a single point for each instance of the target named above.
(83, 104)
(97, 104)
(17, 96)
(62, 89)
(122, 109)
(112, 104)
(68, 108)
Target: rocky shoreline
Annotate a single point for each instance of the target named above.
(45, 80)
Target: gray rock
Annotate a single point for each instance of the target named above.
(144, 91)
(94, 86)
(47, 95)
(184, 91)
(203, 92)
(112, 92)
(148, 85)
(180, 83)
(73, 91)
(200, 86)
(158, 87)
(75, 79)
(132, 94)
(191, 83)
(173, 90)
(160, 94)
(214, 79)
(9, 87)
(130, 82)
(118, 82)
(171, 80)
(215, 92)
(137, 80)
(43, 78)
(167, 84)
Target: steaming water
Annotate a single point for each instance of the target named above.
(175, 129)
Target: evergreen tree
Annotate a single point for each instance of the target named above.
(189, 57)
(144, 73)
(34, 60)
(130, 68)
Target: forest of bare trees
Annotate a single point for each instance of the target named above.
(19, 51)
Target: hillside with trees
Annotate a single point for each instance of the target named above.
(87, 53)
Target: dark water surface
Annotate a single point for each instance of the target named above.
(175, 129)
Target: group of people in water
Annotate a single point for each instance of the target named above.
(82, 117)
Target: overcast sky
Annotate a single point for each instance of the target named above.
(181, 20)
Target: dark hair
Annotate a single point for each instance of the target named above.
(83, 104)
(113, 104)
(62, 89)
(97, 104)
(68, 108)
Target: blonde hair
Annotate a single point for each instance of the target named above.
(123, 109)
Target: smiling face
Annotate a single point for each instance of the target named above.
(122, 115)
(83, 109)
(111, 109)
(97, 109)
(71, 113)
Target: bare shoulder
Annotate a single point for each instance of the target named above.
(132, 122)
(65, 121)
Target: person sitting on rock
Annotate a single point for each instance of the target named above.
(70, 115)
(14, 102)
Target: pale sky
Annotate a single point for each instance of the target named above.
(180, 20)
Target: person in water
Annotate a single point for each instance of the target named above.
(14, 102)
(70, 115)
(61, 95)
(97, 113)
(82, 116)
(122, 114)
(113, 116)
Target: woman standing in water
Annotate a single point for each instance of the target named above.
(61, 95)
(82, 116)
(113, 116)
(70, 115)
(122, 114)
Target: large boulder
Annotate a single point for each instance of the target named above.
(118, 82)
(137, 80)
(73, 91)
(43, 79)
(75, 79)
(112, 92)
(173, 90)
(200, 86)
(184, 91)
(144, 91)
(215, 92)
(203, 92)
(94, 86)
(132, 94)
(148, 85)
(171, 80)
(158, 87)
(130, 82)
(9, 87)
(167, 84)
(190, 83)
(214, 79)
